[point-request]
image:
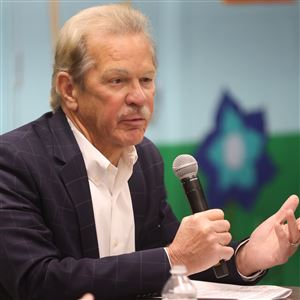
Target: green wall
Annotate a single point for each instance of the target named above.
(285, 153)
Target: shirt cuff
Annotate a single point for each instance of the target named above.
(253, 276)
(167, 253)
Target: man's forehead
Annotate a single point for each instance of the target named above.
(114, 47)
(97, 37)
(121, 57)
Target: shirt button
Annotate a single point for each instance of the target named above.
(115, 244)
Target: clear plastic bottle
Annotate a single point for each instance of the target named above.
(179, 286)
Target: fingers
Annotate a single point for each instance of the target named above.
(286, 213)
(201, 241)
(286, 249)
(212, 214)
(282, 238)
(227, 253)
(294, 233)
(224, 238)
(87, 297)
(298, 223)
(210, 221)
(290, 204)
(221, 226)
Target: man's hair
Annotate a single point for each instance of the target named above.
(71, 53)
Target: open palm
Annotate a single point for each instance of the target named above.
(269, 244)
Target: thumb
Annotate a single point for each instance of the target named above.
(87, 296)
(291, 203)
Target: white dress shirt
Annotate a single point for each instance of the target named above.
(111, 197)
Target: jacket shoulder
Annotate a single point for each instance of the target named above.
(22, 136)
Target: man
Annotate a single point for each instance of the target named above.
(82, 199)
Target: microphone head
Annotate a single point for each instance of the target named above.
(185, 166)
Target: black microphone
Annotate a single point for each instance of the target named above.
(185, 167)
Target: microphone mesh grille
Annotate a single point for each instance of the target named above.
(185, 166)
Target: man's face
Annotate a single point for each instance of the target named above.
(116, 104)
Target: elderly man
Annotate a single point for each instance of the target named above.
(82, 199)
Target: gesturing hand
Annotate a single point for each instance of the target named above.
(87, 296)
(273, 241)
(201, 241)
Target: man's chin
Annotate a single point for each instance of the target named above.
(130, 137)
(135, 138)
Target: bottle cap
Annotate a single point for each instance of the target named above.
(178, 269)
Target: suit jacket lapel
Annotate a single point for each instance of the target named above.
(72, 172)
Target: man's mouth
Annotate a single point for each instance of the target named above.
(134, 121)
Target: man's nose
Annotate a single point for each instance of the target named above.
(136, 94)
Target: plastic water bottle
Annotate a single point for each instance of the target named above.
(179, 286)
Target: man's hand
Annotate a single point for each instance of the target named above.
(87, 297)
(201, 241)
(273, 241)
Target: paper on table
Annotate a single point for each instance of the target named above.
(211, 290)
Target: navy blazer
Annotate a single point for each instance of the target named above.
(48, 243)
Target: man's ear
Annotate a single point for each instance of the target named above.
(66, 89)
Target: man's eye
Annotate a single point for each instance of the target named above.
(146, 79)
(116, 81)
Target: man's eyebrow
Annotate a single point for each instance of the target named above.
(150, 72)
(123, 71)
(115, 70)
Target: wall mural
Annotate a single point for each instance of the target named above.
(234, 155)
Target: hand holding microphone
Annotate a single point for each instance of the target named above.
(201, 240)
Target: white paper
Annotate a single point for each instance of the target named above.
(211, 290)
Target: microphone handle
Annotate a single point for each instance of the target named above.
(195, 194)
(198, 203)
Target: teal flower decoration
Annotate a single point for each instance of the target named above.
(233, 156)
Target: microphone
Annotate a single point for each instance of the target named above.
(185, 167)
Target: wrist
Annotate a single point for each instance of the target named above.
(244, 261)
(172, 256)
